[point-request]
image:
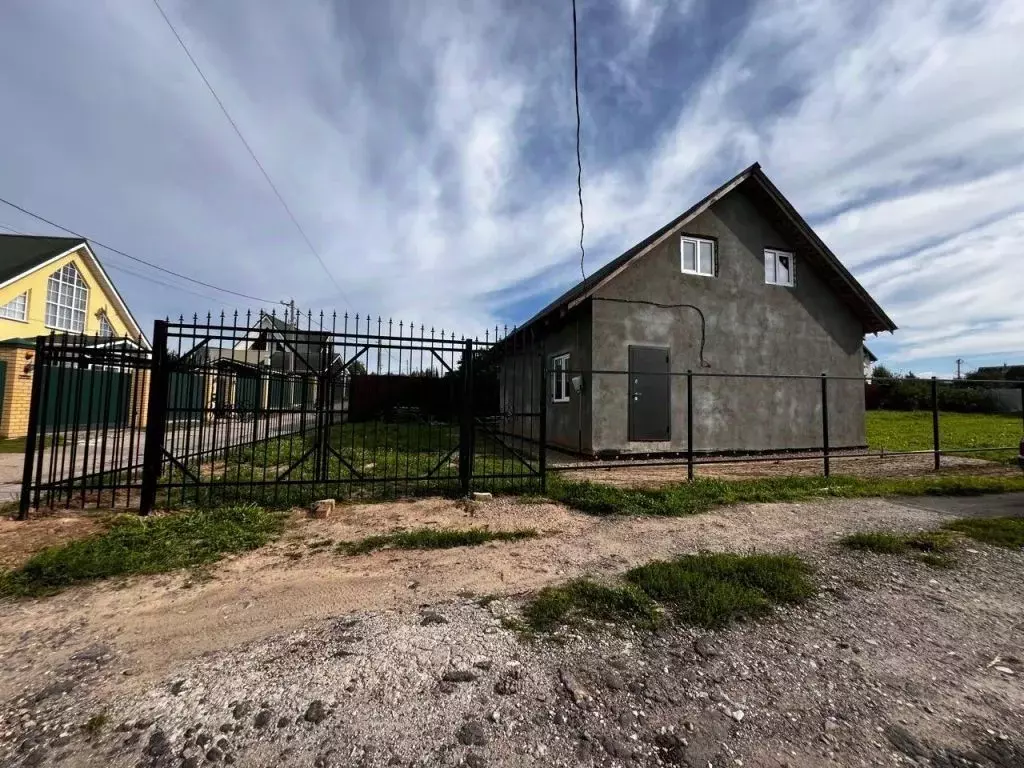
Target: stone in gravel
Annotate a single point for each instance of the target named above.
(283, 722)
(214, 755)
(36, 757)
(315, 712)
(706, 648)
(511, 682)
(432, 617)
(62, 740)
(710, 730)
(475, 760)
(202, 739)
(484, 664)
(54, 689)
(458, 676)
(242, 709)
(158, 744)
(615, 748)
(229, 758)
(1004, 670)
(262, 718)
(226, 727)
(97, 654)
(472, 733)
(177, 686)
(572, 686)
(613, 681)
(223, 744)
(192, 761)
(904, 741)
(322, 509)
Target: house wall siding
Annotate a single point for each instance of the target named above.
(35, 284)
(751, 328)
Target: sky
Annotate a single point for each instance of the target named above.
(428, 149)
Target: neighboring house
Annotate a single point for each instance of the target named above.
(869, 362)
(52, 285)
(775, 300)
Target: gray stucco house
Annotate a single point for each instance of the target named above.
(738, 284)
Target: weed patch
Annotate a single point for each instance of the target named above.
(999, 531)
(704, 493)
(886, 543)
(705, 590)
(433, 538)
(585, 599)
(141, 545)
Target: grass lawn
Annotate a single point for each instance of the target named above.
(998, 531)
(930, 547)
(143, 545)
(912, 431)
(433, 538)
(704, 493)
(705, 590)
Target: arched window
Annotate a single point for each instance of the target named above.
(67, 297)
(106, 329)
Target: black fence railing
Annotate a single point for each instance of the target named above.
(283, 411)
(279, 412)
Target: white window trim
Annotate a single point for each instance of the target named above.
(56, 324)
(24, 317)
(696, 253)
(774, 254)
(102, 318)
(560, 371)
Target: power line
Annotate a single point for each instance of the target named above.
(252, 154)
(140, 276)
(10, 229)
(579, 160)
(150, 264)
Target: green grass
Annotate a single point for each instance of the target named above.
(933, 548)
(585, 599)
(999, 531)
(137, 545)
(912, 431)
(703, 494)
(706, 590)
(433, 538)
(17, 444)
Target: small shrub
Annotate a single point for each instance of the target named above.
(999, 531)
(885, 543)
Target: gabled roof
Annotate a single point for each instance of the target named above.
(22, 254)
(774, 206)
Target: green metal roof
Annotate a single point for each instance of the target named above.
(20, 253)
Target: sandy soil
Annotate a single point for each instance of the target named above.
(385, 659)
(19, 540)
(155, 622)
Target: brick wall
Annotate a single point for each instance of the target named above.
(17, 393)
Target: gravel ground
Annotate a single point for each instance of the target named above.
(894, 663)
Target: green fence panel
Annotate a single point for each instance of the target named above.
(81, 397)
(185, 393)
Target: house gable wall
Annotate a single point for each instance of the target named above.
(752, 328)
(35, 283)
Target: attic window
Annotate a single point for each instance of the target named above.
(16, 308)
(106, 329)
(66, 298)
(697, 256)
(778, 268)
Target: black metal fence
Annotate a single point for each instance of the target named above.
(278, 411)
(259, 408)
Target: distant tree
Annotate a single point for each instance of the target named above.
(881, 372)
(356, 368)
(910, 375)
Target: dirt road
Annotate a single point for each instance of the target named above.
(893, 659)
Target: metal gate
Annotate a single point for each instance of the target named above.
(263, 411)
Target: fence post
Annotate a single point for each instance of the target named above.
(156, 419)
(689, 425)
(824, 422)
(466, 420)
(34, 413)
(935, 421)
(542, 441)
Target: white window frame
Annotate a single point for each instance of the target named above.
(65, 290)
(697, 242)
(771, 255)
(7, 313)
(107, 332)
(560, 378)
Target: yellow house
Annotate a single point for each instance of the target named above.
(50, 285)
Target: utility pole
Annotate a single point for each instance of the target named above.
(959, 362)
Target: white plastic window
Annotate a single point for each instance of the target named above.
(560, 379)
(778, 267)
(16, 308)
(698, 256)
(67, 297)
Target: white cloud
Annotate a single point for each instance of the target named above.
(429, 153)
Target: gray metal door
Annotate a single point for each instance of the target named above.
(649, 394)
